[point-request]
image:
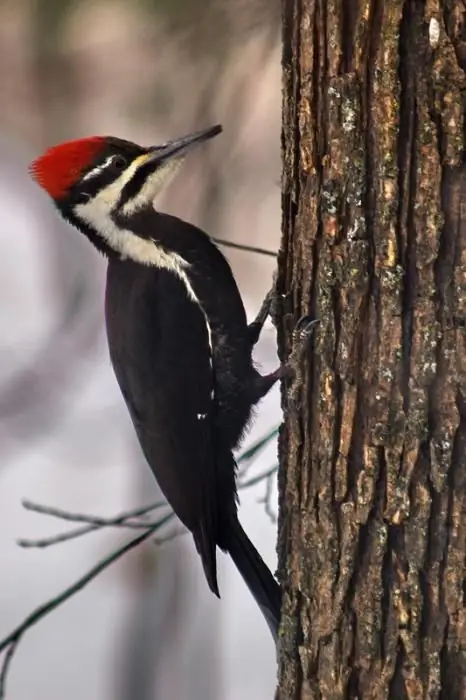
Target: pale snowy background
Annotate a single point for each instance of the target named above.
(148, 628)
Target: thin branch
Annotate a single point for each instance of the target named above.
(267, 498)
(80, 531)
(6, 664)
(175, 532)
(44, 542)
(247, 457)
(243, 246)
(90, 519)
(254, 480)
(10, 642)
(94, 523)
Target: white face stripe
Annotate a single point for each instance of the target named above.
(96, 213)
(98, 169)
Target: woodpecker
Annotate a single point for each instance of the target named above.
(178, 337)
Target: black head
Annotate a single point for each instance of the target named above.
(99, 182)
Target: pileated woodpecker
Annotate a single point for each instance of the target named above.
(179, 342)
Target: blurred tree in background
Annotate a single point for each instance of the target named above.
(372, 527)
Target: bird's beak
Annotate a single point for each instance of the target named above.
(179, 146)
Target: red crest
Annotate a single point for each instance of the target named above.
(61, 166)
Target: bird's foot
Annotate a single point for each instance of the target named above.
(292, 368)
(268, 308)
(301, 337)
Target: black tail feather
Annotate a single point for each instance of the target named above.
(256, 575)
(207, 549)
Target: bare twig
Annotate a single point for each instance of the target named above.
(175, 532)
(93, 522)
(248, 456)
(44, 542)
(246, 248)
(254, 480)
(90, 519)
(6, 664)
(10, 642)
(267, 498)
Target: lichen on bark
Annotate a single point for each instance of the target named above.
(372, 528)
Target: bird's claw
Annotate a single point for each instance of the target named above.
(305, 326)
(302, 334)
(304, 329)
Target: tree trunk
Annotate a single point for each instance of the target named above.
(372, 531)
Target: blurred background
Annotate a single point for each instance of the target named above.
(147, 70)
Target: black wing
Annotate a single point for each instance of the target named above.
(160, 350)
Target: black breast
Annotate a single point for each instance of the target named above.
(129, 285)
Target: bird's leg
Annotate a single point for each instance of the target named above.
(255, 328)
(292, 368)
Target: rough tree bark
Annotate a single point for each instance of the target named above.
(372, 531)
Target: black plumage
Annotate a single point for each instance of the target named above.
(190, 399)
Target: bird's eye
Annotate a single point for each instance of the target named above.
(119, 162)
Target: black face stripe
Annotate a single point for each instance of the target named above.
(114, 148)
(136, 183)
